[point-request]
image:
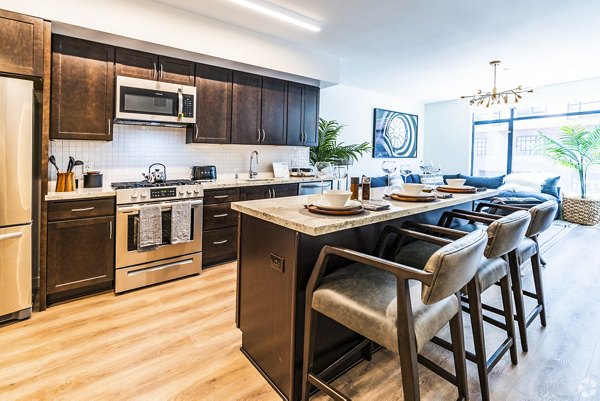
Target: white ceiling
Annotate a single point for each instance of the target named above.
(434, 50)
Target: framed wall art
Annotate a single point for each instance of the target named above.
(394, 134)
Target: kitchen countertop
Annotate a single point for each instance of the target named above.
(107, 190)
(291, 213)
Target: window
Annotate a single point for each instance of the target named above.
(480, 147)
(528, 145)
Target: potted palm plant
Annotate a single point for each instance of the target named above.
(329, 150)
(577, 148)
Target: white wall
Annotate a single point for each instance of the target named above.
(353, 107)
(152, 22)
(448, 135)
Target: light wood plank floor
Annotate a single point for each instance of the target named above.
(179, 341)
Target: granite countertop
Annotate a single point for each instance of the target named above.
(291, 213)
(107, 190)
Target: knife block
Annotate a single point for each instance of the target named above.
(65, 182)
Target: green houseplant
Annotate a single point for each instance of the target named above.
(579, 149)
(329, 150)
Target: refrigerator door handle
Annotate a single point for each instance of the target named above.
(11, 236)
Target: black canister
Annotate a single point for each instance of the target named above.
(92, 180)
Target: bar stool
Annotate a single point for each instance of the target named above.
(372, 297)
(542, 216)
(504, 235)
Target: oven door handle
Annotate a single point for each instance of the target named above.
(163, 206)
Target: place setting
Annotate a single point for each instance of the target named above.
(456, 186)
(411, 193)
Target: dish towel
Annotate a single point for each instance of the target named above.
(181, 221)
(149, 228)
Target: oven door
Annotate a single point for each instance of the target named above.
(127, 236)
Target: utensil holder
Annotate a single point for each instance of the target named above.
(65, 182)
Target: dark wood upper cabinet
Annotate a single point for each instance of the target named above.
(82, 99)
(258, 109)
(273, 111)
(22, 44)
(213, 106)
(302, 115)
(138, 64)
(245, 108)
(175, 70)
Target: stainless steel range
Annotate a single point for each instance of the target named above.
(138, 268)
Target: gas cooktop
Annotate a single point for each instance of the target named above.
(146, 184)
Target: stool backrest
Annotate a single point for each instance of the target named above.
(542, 216)
(506, 233)
(453, 266)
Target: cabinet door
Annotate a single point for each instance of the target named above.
(219, 246)
(245, 108)
(256, 192)
(310, 116)
(273, 109)
(22, 44)
(175, 70)
(283, 190)
(136, 64)
(80, 253)
(294, 133)
(82, 89)
(219, 215)
(213, 105)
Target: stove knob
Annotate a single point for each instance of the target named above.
(181, 192)
(143, 194)
(134, 195)
(189, 191)
(196, 190)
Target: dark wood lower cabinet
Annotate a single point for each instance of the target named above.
(269, 191)
(81, 249)
(219, 245)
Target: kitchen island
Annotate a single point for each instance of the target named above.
(279, 241)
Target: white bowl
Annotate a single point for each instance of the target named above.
(455, 182)
(413, 189)
(336, 197)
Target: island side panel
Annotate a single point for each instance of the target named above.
(266, 299)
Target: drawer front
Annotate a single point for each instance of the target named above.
(80, 209)
(219, 246)
(214, 196)
(219, 216)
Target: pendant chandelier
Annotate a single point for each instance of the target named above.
(494, 97)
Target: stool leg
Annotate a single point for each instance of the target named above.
(310, 328)
(474, 290)
(517, 287)
(508, 316)
(458, 349)
(539, 288)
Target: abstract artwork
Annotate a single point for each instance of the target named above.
(394, 134)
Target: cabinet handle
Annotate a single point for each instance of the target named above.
(303, 137)
(110, 229)
(155, 72)
(10, 236)
(83, 209)
(219, 242)
(273, 192)
(161, 72)
(195, 130)
(109, 126)
(264, 135)
(221, 215)
(221, 196)
(258, 139)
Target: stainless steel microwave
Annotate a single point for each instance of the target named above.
(144, 101)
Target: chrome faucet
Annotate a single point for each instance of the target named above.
(253, 173)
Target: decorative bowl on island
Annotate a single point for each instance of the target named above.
(336, 197)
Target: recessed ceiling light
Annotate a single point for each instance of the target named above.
(280, 13)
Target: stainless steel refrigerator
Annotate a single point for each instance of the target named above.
(16, 189)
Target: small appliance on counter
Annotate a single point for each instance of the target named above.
(302, 172)
(92, 179)
(204, 173)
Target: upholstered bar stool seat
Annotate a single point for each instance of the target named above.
(364, 300)
(526, 249)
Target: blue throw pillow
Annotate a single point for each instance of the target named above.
(413, 179)
(550, 186)
(379, 181)
(480, 182)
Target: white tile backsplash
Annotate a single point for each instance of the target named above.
(134, 148)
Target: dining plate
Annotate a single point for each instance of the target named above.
(407, 195)
(348, 212)
(351, 204)
(465, 189)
